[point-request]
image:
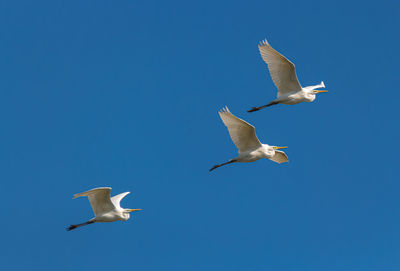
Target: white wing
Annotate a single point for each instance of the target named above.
(99, 199)
(322, 85)
(117, 199)
(279, 157)
(242, 133)
(282, 71)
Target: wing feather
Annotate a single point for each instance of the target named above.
(242, 133)
(279, 157)
(99, 199)
(117, 198)
(321, 85)
(282, 71)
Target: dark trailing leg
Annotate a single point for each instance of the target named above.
(79, 225)
(253, 109)
(220, 165)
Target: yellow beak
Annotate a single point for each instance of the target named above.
(277, 148)
(321, 91)
(133, 210)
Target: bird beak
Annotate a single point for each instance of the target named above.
(133, 210)
(320, 91)
(277, 148)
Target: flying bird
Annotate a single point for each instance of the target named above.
(105, 208)
(283, 74)
(244, 136)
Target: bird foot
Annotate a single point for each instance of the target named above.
(214, 167)
(253, 109)
(71, 227)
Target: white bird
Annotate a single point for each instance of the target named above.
(105, 209)
(244, 136)
(283, 74)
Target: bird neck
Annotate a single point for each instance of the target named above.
(309, 96)
(125, 216)
(268, 150)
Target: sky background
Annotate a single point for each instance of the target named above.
(126, 93)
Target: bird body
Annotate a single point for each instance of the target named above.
(105, 208)
(283, 74)
(264, 151)
(307, 94)
(112, 216)
(244, 136)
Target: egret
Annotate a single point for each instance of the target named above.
(105, 209)
(244, 137)
(283, 74)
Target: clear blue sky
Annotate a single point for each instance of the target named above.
(126, 93)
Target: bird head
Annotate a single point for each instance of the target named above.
(127, 211)
(311, 94)
(271, 150)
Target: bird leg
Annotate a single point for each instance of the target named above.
(220, 165)
(261, 107)
(79, 225)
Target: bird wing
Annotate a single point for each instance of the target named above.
(117, 199)
(242, 133)
(282, 71)
(321, 85)
(99, 199)
(279, 157)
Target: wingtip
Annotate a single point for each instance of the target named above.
(287, 161)
(264, 42)
(224, 109)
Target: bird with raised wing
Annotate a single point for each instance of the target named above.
(284, 76)
(105, 207)
(244, 137)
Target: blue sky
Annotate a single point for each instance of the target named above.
(126, 93)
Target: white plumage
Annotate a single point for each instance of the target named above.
(282, 71)
(283, 74)
(244, 136)
(105, 208)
